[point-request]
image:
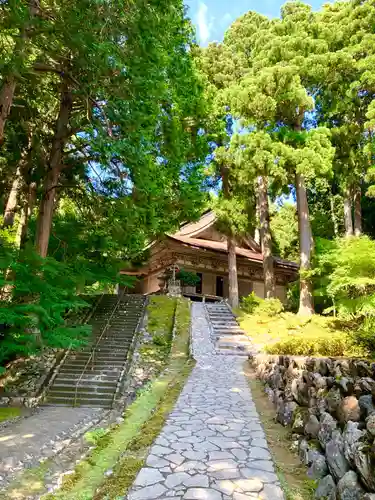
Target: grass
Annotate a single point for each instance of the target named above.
(9, 413)
(291, 473)
(161, 311)
(124, 449)
(287, 333)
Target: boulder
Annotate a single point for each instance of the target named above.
(367, 384)
(370, 424)
(346, 385)
(337, 463)
(269, 392)
(351, 436)
(303, 451)
(277, 378)
(312, 427)
(285, 412)
(326, 489)
(318, 464)
(364, 465)
(319, 382)
(369, 496)
(349, 410)
(363, 368)
(333, 399)
(366, 405)
(349, 488)
(330, 382)
(299, 419)
(300, 392)
(327, 425)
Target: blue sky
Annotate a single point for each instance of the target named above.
(213, 17)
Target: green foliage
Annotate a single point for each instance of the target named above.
(188, 278)
(326, 344)
(345, 273)
(284, 228)
(287, 333)
(37, 295)
(255, 305)
(250, 303)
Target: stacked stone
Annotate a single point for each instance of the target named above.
(330, 406)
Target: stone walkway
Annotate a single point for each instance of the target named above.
(42, 435)
(213, 446)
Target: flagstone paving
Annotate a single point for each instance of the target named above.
(213, 446)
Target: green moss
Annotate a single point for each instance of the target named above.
(9, 413)
(287, 333)
(124, 448)
(30, 483)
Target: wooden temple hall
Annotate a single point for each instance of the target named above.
(200, 248)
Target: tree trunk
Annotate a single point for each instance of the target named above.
(6, 98)
(306, 303)
(266, 239)
(233, 279)
(45, 215)
(357, 212)
(348, 218)
(257, 236)
(26, 213)
(232, 258)
(12, 203)
(333, 217)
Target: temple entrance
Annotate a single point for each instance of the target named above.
(219, 286)
(199, 288)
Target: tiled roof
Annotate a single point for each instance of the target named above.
(204, 222)
(219, 246)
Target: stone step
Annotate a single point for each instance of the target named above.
(68, 390)
(75, 373)
(88, 378)
(101, 363)
(223, 333)
(89, 401)
(102, 366)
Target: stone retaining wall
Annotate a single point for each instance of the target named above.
(330, 406)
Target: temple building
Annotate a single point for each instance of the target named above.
(201, 248)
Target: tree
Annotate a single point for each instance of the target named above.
(273, 99)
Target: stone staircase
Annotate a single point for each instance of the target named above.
(91, 376)
(227, 335)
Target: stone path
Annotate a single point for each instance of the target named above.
(41, 435)
(213, 446)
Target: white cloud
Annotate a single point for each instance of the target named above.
(204, 27)
(226, 19)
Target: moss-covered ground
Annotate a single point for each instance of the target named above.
(7, 413)
(287, 333)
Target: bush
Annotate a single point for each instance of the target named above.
(332, 344)
(188, 278)
(255, 305)
(290, 334)
(269, 307)
(249, 303)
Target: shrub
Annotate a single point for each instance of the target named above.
(332, 344)
(255, 305)
(269, 307)
(290, 334)
(249, 303)
(188, 278)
